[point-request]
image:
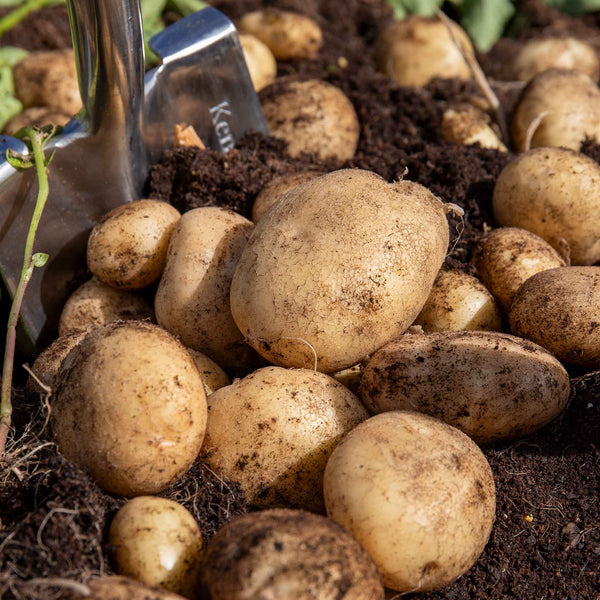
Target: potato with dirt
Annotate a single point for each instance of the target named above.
(260, 61)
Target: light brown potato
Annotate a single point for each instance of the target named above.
(554, 193)
(289, 35)
(36, 116)
(311, 116)
(260, 61)
(339, 266)
(94, 304)
(349, 377)
(416, 493)
(468, 125)
(557, 108)
(130, 407)
(558, 309)
(506, 257)
(113, 587)
(212, 375)
(157, 542)
(538, 55)
(458, 302)
(491, 386)
(273, 431)
(192, 300)
(417, 49)
(48, 78)
(127, 248)
(288, 554)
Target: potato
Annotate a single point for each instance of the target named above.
(273, 431)
(130, 407)
(311, 116)
(538, 55)
(94, 304)
(468, 125)
(127, 248)
(457, 302)
(505, 258)
(192, 300)
(557, 108)
(48, 78)
(290, 36)
(36, 116)
(338, 267)
(112, 587)
(288, 554)
(417, 49)
(212, 375)
(416, 493)
(349, 377)
(554, 193)
(490, 385)
(157, 542)
(259, 60)
(558, 309)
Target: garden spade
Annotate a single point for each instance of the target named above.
(128, 118)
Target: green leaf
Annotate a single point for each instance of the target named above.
(152, 22)
(484, 20)
(19, 161)
(39, 259)
(402, 8)
(10, 56)
(575, 7)
(10, 2)
(186, 7)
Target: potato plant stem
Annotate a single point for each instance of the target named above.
(14, 17)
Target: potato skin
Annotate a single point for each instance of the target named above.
(288, 554)
(114, 587)
(259, 60)
(273, 431)
(130, 407)
(416, 493)
(554, 193)
(558, 309)
(492, 386)
(212, 375)
(344, 262)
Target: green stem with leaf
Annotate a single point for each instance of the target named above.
(20, 13)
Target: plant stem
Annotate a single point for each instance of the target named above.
(14, 17)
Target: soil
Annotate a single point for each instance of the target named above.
(546, 540)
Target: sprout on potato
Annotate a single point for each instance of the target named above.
(259, 60)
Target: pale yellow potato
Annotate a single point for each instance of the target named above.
(192, 300)
(506, 257)
(338, 267)
(212, 375)
(417, 49)
(130, 407)
(273, 431)
(416, 493)
(288, 554)
(558, 309)
(468, 125)
(114, 587)
(94, 304)
(260, 61)
(289, 35)
(557, 108)
(312, 116)
(554, 193)
(492, 386)
(157, 542)
(349, 377)
(36, 116)
(127, 248)
(48, 78)
(458, 302)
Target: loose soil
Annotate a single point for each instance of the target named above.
(546, 540)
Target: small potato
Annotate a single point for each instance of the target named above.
(558, 309)
(349, 377)
(311, 116)
(291, 555)
(417, 49)
(94, 304)
(157, 542)
(212, 375)
(130, 407)
(48, 78)
(127, 248)
(273, 431)
(468, 125)
(259, 60)
(505, 258)
(36, 116)
(554, 193)
(113, 587)
(492, 386)
(557, 108)
(416, 493)
(458, 302)
(290, 36)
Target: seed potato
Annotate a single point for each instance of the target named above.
(212, 375)
(416, 493)
(492, 386)
(273, 431)
(114, 587)
(259, 60)
(130, 407)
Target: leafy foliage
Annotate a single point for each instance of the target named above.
(575, 7)
(9, 105)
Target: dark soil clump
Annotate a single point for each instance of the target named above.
(46, 29)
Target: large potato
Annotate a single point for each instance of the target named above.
(130, 407)
(273, 431)
(338, 267)
(490, 385)
(416, 493)
(259, 60)
(554, 193)
(288, 555)
(558, 309)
